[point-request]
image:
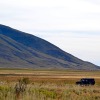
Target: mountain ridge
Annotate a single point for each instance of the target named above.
(31, 46)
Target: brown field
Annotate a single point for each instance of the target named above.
(70, 76)
(49, 75)
(49, 84)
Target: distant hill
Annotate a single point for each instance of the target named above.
(22, 50)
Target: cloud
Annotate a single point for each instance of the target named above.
(50, 14)
(96, 2)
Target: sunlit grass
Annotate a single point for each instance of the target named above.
(50, 91)
(48, 85)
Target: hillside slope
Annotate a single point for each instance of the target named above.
(19, 49)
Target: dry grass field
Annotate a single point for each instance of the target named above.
(48, 85)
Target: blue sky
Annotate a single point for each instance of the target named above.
(72, 25)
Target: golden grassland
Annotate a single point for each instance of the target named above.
(49, 85)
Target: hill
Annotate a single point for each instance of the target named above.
(23, 50)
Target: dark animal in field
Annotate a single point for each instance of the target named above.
(86, 81)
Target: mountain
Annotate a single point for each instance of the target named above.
(23, 50)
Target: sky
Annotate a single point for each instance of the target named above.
(72, 25)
